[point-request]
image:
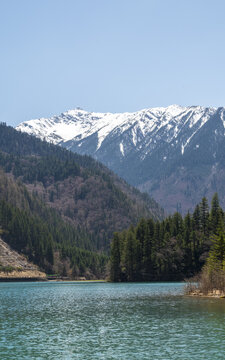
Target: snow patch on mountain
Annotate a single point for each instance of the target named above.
(143, 131)
(122, 149)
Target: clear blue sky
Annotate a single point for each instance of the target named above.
(109, 55)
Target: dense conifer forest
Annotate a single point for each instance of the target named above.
(61, 209)
(39, 232)
(173, 249)
(85, 192)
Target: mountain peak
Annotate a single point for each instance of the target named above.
(78, 124)
(143, 146)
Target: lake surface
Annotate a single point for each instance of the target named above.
(69, 320)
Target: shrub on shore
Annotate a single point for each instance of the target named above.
(208, 282)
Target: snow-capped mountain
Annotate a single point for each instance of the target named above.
(173, 153)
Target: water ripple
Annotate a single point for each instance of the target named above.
(108, 321)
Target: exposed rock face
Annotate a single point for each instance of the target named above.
(15, 265)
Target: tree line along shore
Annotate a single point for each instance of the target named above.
(176, 248)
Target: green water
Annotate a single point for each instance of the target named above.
(66, 320)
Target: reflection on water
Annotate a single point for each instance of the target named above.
(67, 320)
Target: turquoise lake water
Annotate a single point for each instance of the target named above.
(68, 320)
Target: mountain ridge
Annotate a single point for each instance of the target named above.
(151, 149)
(91, 122)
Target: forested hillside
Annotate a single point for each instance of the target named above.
(40, 233)
(84, 191)
(173, 249)
(61, 209)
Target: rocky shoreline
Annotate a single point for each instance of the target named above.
(214, 293)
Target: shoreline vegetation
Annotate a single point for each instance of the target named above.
(9, 273)
(22, 275)
(175, 249)
(209, 283)
(45, 279)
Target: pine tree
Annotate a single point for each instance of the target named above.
(197, 218)
(130, 256)
(216, 259)
(215, 213)
(204, 216)
(147, 252)
(115, 269)
(187, 243)
(141, 230)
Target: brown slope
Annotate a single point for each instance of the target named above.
(15, 266)
(96, 205)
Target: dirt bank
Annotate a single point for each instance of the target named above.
(16, 266)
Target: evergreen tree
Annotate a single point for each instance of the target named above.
(147, 250)
(172, 249)
(216, 258)
(130, 256)
(197, 218)
(204, 216)
(115, 266)
(215, 213)
(187, 243)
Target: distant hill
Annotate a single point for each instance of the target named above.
(176, 154)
